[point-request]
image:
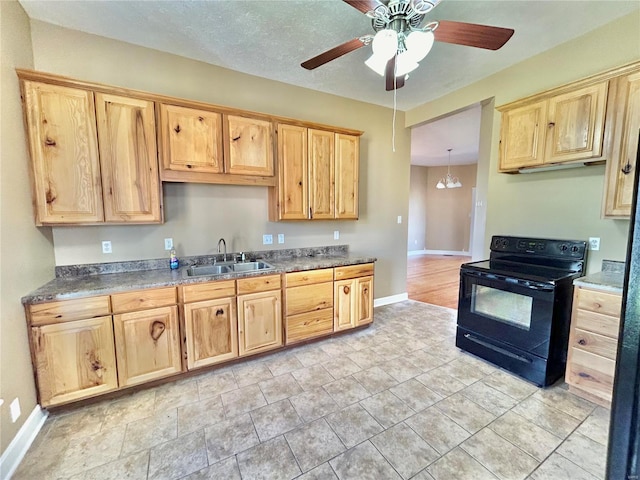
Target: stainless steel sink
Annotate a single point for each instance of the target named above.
(222, 268)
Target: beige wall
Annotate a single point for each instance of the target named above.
(562, 204)
(198, 215)
(26, 252)
(417, 223)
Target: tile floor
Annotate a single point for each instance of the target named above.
(394, 401)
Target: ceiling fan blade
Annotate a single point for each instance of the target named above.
(332, 54)
(364, 5)
(472, 35)
(389, 72)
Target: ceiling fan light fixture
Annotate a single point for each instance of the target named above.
(385, 43)
(440, 185)
(405, 64)
(377, 64)
(419, 44)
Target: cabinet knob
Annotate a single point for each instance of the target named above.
(220, 311)
(582, 341)
(157, 329)
(49, 142)
(551, 124)
(177, 129)
(346, 290)
(627, 168)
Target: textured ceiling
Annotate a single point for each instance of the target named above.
(270, 38)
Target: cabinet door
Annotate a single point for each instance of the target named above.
(321, 174)
(147, 345)
(364, 288)
(576, 124)
(344, 305)
(128, 159)
(622, 162)
(293, 191)
(211, 329)
(522, 136)
(74, 360)
(346, 176)
(259, 322)
(249, 146)
(191, 140)
(63, 143)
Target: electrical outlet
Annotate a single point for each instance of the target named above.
(14, 408)
(594, 243)
(106, 246)
(168, 243)
(399, 218)
(267, 239)
(281, 238)
(336, 234)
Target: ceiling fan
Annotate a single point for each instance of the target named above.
(400, 42)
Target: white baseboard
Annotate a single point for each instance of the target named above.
(400, 297)
(437, 252)
(18, 447)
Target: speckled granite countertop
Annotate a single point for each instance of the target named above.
(610, 279)
(78, 281)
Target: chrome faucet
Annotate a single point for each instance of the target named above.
(224, 258)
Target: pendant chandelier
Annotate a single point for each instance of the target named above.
(448, 181)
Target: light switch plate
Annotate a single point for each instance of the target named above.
(594, 243)
(336, 234)
(267, 239)
(14, 408)
(106, 246)
(281, 238)
(168, 243)
(399, 218)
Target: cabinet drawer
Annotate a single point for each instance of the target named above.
(600, 302)
(353, 271)
(308, 325)
(309, 298)
(597, 323)
(67, 310)
(208, 291)
(591, 373)
(308, 277)
(258, 284)
(594, 343)
(143, 299)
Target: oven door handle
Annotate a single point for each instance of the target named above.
(513, 281)
(496, 349)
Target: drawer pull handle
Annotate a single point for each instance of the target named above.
(49, 142)
(627, 168)
(157, 329)
(346, 290)
(220, 311)
(177, 129)
(582, 341)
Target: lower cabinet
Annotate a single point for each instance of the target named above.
(74, 360)
(211, 330)
(353, 296)
(147, 345)
(259, 314)
(593, 344)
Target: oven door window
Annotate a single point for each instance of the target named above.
(501, 305)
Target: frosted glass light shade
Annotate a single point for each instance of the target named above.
(385, 43)
(405, 64)
(440, 185)
(377, 64)
(419, 44)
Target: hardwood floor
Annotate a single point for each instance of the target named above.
(435, 279)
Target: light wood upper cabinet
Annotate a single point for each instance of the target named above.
(321, 149)
(318, 175)
(522, 136)
(147, 345)
(74, 360)
(63, 143)
(259, 322)
(346, 174)
(622, 161)
(128, 159)
(191, 140)
(293, 168)
(575, 124)
(248, 146)
(555, 127)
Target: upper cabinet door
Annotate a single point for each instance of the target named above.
(293, 201)
(61, 127)
(522, 136)
(191, 139)
(129, 159)
(346, 176)
(249, 146)
(321, 174)
(621, 164)
(576, 124)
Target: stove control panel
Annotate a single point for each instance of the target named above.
(539, 246)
